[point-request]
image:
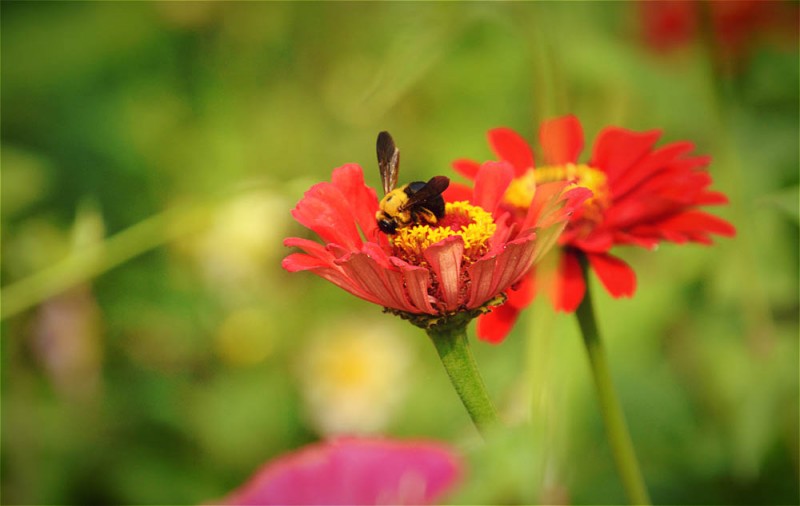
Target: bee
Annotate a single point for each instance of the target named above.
(411, 204)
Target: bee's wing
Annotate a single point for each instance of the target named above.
(388, 161)
(432, 189)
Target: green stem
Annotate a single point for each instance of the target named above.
(616, 428)
(453, 348)
(99, 258)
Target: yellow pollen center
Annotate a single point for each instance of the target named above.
(474, 225)
(521, 190)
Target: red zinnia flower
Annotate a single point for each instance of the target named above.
(461, 265)
(354, 471)
(641, 196)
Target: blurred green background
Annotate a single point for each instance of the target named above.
(154, 352)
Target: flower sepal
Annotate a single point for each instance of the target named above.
(444, 323)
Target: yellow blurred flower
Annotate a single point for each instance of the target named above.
(244, 239)
(353, 376)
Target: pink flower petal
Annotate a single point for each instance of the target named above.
(491, 183)
(482, 285)
(354, 471)
(493, 327)
(509, 146)
(444, 258)
(297, 262)
(561, 140)
(548, 205)
(416, 281)
(300, 262)
(382, 284)
(325, 210)
(617, 276)
(494, 274)
(361, 199)
(313, 248)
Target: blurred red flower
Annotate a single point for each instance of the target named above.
(354, 471)
(641, 196)
(734, 25)
(423, 272)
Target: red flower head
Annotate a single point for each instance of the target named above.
(354, 471)
(641, 196)
(425, 273)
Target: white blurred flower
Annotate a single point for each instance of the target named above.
(353, 376)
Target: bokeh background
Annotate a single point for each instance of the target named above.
(154, 352)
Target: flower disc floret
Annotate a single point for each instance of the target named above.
(522, 189)
(473, 224)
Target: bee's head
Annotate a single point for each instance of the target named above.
(387, 225)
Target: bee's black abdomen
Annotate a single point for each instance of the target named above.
(434, 204)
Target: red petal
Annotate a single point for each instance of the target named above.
(617, 149)
(493, 327)
(697, 221)
(598, 241)
(647, 242)
(491, 184)
(561, 140)
(353, 471)
(524, 293)
(617, 276)
(512, 148)
(467, 168)
(457, 192)
(570, 286)
(667, 25)
(623, 182)
(711, 199)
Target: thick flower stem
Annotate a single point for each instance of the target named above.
(616, 428)
(453, 348)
